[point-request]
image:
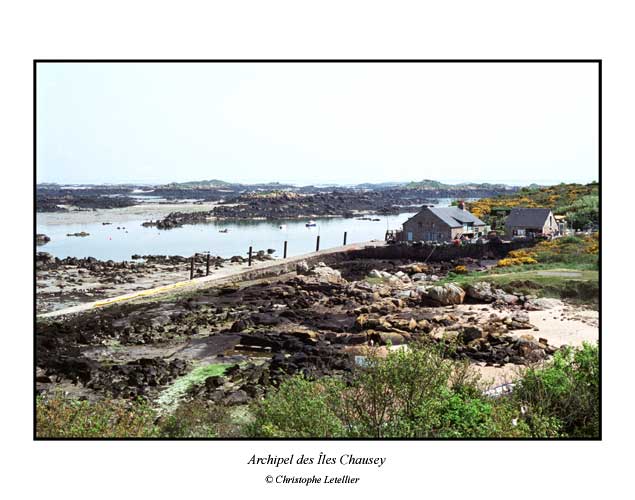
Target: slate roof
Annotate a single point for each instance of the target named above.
(527, 217)
(453, 216)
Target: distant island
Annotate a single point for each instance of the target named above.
(331, 200)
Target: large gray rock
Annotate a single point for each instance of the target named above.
(481, 291)
(239, 397)
(302, 267)
(446, 294)
(326, 274)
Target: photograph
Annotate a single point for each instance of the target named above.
(317, 249)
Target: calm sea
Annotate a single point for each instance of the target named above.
(107, 242)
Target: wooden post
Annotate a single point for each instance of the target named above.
(285, 250)
(192, 267)
(250, 249)
(317, 244)
(207, 265)
(344, 238)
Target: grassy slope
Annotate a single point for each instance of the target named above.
(566, 268)
(574, 284)
(579, 202)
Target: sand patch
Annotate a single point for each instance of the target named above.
(561, 324)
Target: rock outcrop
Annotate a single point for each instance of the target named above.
(445, 295)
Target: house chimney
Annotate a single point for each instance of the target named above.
(462, 205)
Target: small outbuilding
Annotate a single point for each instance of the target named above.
(531, 222)
(442, 224)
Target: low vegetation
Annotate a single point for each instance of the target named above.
(566, 268)
(419, 393)
(567, 391)
(578, 202)
(62, 417)
(414, 393)
(518, 257)
(195, 419)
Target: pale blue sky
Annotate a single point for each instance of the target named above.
(317, 123)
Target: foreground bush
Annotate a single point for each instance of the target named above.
(413, 393)
(420, 393)
(193, 419)
(300, 409)
(62, 417)
(567, 390)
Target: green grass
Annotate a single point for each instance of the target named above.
(582, 286)
(574, 255)
(506, 275)
(169, 399)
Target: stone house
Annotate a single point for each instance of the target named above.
(442, 224)
(530, 222)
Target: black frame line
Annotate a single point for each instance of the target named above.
(232, 61)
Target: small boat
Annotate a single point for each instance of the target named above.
(223, 230)
(311, 223)
(282, 226)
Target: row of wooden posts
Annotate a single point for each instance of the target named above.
(317, 249)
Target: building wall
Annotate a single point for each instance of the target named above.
(549, 227)
(425, 226)
(436, 253)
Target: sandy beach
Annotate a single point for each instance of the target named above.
(561, 324)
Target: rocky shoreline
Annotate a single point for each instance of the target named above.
(280, 206)
(317, 321)
(71, 281)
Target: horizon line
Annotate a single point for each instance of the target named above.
(511, 183)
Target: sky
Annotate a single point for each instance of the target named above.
(310, 123)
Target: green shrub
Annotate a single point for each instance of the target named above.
(583, 212)
(399, 395)
(409, 393)
(299, 409)
(565, 392)
(195, 419)
(63, 417)
(419, 393)
(462, 415)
